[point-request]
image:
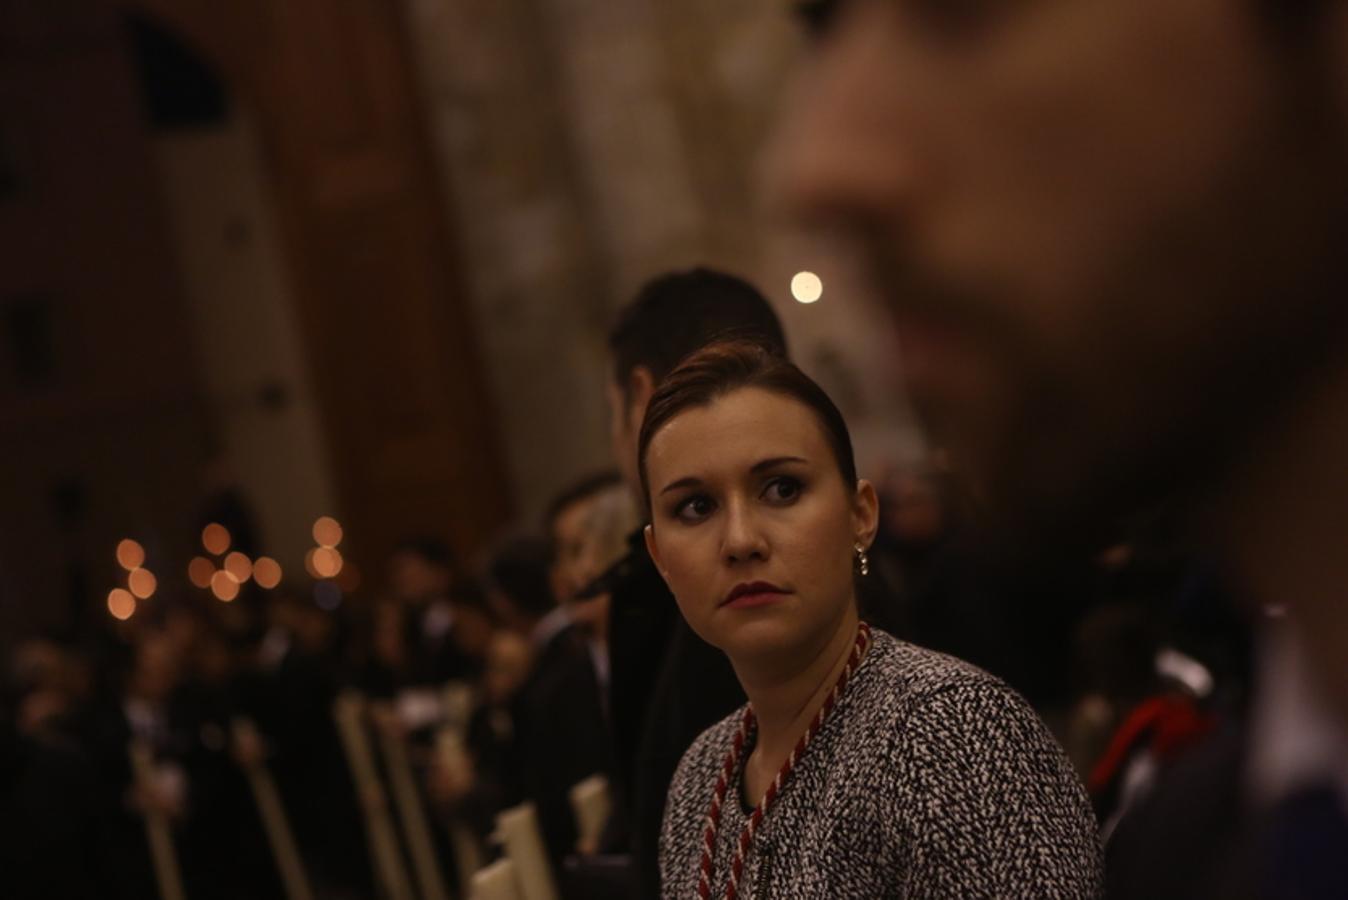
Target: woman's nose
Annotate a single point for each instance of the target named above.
(744, 539)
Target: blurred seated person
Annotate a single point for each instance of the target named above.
(224, 848)
(471, 790)
(179, 698)
(295, 686)
(443, 645)
(49, 816)
(1146, 702)
(397, 668)
(140, 706)
(940, 596)
(386, 660)
(49, 685)
(559, 731)
(945, 583)
(587, 527)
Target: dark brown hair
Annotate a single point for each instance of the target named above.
(676, 313)
(578, 492)
(725, 366)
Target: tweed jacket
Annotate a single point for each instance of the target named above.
(930, 778)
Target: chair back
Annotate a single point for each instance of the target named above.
(591, 801)
(495, 882)
(518, 831)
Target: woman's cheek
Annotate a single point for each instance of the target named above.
(688, 589)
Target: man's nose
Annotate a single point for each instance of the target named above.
(840, 152)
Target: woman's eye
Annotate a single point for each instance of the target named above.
(694, 509)
(782, 490)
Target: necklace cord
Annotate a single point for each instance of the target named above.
(728, 767)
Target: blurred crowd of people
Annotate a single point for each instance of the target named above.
(1108, 237)
(550, 660)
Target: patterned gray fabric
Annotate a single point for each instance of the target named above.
(930, 778)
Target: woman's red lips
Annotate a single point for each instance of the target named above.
(753, 593)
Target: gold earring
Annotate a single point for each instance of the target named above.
(863, 563)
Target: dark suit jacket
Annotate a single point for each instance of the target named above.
(50, 820)
(1196, 836)
(667, 686)
(436, 659)
(1188, 836)
(560, 734)
(292, 705)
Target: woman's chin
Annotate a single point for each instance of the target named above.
(757, 633)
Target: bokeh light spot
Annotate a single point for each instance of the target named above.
(327, 563)
(215, 538)
(239, 567)
(327, 532)
(130, 555)
(224, 587)
(199, 572)
(121, 604)
(267, 572)
(806, 287)
(142, 583)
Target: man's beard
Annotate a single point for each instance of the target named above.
(1057, 472)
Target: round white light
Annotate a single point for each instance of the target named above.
(806, 287)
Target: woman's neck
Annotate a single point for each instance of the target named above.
(784, 700)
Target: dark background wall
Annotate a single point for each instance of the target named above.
(109, 430)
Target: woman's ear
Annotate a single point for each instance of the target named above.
(865, 512)
(653, 549)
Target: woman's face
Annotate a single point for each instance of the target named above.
(752, 526)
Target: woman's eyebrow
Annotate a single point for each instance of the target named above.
(756, 468)
(681, 483)
(774, 462)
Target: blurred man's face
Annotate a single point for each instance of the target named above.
(415, 579)
(509, 658)
(157, 667)
(313, 628)
(624, 430)
(578, 560)
(912, 510)
(575, 563)
(1103, 229)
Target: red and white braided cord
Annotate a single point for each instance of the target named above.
(732, 757)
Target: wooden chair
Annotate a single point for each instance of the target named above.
(274, 820)
(158, 829)
(452, 753)
(592, 803)
(495, 882)
(518, 832)
(407, 801)
(457, 700)
(349, 711)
